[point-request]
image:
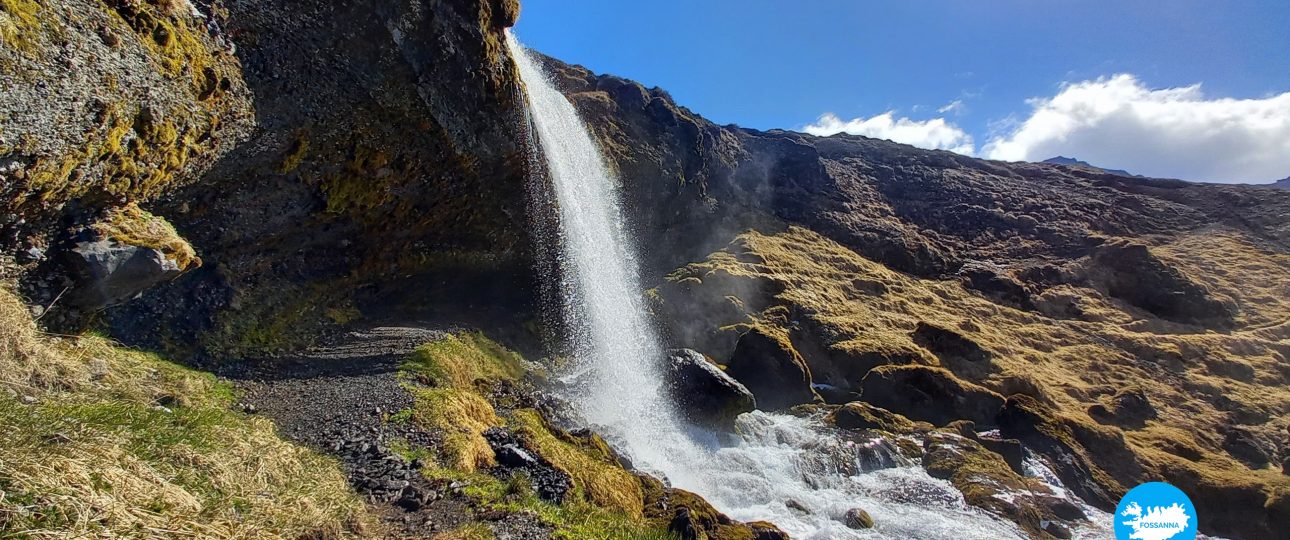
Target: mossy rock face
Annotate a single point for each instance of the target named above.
(769, 366)
(1131, 272)
(689, 516)
(154, 97)
(385, 181)
(987, 481)
(930, 394)
(1056, 437)
(859, 415)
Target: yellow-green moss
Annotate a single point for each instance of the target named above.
(295, 155)
(137, 227)
(20, 20)
(175, 44)
(343, 315)
(461, 359)
(138, 154)
(462, 416)
(365, 183)
(285, 317)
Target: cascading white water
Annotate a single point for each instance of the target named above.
(614, 349)
(615, 381)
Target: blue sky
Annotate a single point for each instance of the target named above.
(767, 64)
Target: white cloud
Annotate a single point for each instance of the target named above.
(934, 134)
(1117, 122)
(954, 107)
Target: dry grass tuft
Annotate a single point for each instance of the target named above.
(473, 531)
(458, 365)
(462, 416)
(461, 359)
(99, 440)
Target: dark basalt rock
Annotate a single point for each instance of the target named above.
(948, 345)
(772, 370)
(1130, 272)
(1245, 446)
(107, 273)
(377, 177)
(931, 394)
(550, 484)
(705, 393)
(382, 475)
(1130, 407)
(1010, 449)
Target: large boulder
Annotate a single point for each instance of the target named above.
(705, 393)
(124, 253)
(772, 369)
(858, 518)
(107, 272)
(689, 517)
(930, 394)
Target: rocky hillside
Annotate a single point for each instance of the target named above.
(225, 181)
(310, 180)
(1129, 329)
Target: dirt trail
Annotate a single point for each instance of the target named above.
(337, 397)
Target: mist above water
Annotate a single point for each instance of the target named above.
(615, 381)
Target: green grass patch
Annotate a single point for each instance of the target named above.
(460, 359)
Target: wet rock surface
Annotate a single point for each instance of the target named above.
(772, 370)
(705, 393)
(860, 415)
(858, 518)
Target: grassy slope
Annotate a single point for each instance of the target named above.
(98, 439)
(1198, 381)
(452, 379)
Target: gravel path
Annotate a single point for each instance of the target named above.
(345, 387)
(336, 397)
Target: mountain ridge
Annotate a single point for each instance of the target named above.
(1063, 160)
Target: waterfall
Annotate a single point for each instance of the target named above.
(614, 366)
(791, 471)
